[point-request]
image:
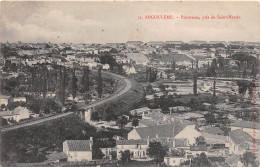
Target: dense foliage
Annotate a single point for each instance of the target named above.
(23, 144)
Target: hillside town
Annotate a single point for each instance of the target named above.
(129, 84)
(186, 104)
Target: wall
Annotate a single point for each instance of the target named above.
(79, 156)
(133, 135)
(193, 134)
(174, 161)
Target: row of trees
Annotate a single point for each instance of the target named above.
(151, 74)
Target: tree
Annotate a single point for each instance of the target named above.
(97, 154)
(200, 140)
(178, 152)
(122, 121)
(44, 82)
(125, 156)
(74, 86)
(210, 118)
(113, 154)
(3, 106)
(248, 158)
(201, 160)
(99, 83)
(108, 59)
(161, 87)
(3, 122)
(195, 77)
(157, 151)
(213, 68)
(63, 86)
(95, 116)
(214, 88)
(85, 79)
(173, 65)
(135, 122)
(49, 105)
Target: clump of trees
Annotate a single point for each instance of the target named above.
(157, 151)
(125, 156)
(201, 160)
(135, 122)
(248, 159)
(21, 145)
(122, 121)
(151, 74)
(99, 83)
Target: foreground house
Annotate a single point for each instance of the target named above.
(137, 148)
(176, 130)
(239, 142)
(78, 150)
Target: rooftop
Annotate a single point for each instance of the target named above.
(246, 124)
(131, 142)
(79, 145)
(56, 156)
(213, 130)
(240, 137)
(167, 130)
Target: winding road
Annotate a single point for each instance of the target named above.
(126, 88)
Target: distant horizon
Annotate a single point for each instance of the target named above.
(126, 42)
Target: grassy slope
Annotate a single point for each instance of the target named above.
(123, 104)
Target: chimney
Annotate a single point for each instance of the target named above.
(173, 143)
(148, 140)
(157, 136)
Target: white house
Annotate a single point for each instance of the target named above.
(140, 111)
(180, 109)
(105, 66)
(129, 70)
(137, 148)
(4, 100)
(175, 161)
(17, 114)
(176, 130)
(19, 99)
(239, 142)
(192, 134)
(78, 150)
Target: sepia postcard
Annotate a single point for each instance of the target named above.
(129, 83)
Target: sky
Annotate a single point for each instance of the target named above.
(102, 22)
